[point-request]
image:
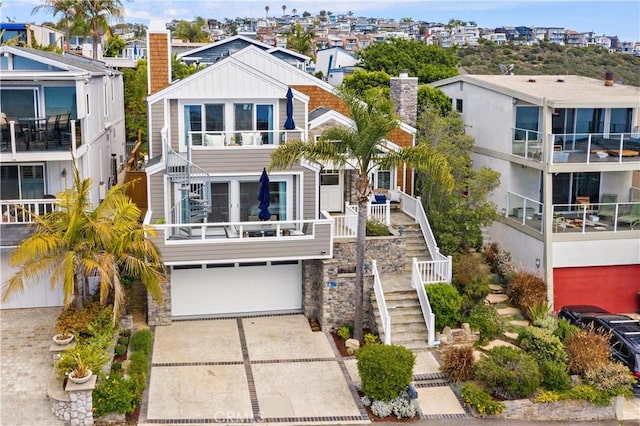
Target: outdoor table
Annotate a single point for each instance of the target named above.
(34, 127)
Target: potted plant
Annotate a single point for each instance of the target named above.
(63, 338)
(80, 373)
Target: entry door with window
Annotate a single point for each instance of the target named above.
(331, 194)
(236, 200)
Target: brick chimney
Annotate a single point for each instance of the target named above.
(404, 93)
(158, 58)
(608, 78)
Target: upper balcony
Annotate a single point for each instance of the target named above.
(249, 241)
(40, 134)
(583, 217)
(580, 148)
(242, 138)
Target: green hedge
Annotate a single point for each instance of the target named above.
(385, 370)
(142, 341)
(542, 345)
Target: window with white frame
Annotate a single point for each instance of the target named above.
(24, 181)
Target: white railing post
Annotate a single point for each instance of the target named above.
(385, 319)
(387, 213)
(12, 127)
(418, 204)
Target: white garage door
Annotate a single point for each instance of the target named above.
(242, 289)
(34, 296)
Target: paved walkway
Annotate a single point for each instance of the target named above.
(25, 366)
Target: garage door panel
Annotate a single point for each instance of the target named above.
(35, 295)
(228, 290)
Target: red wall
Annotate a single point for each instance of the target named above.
(614, 288)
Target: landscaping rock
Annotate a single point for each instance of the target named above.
(352, 344)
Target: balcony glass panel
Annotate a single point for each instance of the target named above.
(60, 100)
(18, 103)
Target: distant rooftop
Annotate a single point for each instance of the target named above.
(558, 90)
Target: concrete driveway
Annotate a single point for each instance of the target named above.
(270, 369)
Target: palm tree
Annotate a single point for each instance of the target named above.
(266, 9)
(284, 9)
(300, 40)
(99, 13)
(73, 243)
(294, 12)
(363, 147)
(65, 7)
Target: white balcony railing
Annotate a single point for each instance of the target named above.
(584, 217)
(22, 211)
(210, 140)
(17, 138)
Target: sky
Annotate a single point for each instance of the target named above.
(604, 17)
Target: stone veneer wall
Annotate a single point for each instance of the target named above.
(333, 306)
(568, 410)
(160, 314)
(74, 404)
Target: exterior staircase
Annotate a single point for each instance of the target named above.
(408, 327)
(407, 323)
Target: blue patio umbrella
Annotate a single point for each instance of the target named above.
(264, 196)
(289, 124)
(135, 51)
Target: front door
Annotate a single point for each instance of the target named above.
(331, 194)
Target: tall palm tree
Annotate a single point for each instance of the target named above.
(266, 9)
(99, 13)
(363, 147)
(294, 12)
(74, 242)
(284, 9)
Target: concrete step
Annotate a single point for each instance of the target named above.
(496, 288)
(509, 311)
(412, 344)
(400, 295)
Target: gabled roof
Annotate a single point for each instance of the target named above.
(232, 66)
(68, 62)
(249, 42)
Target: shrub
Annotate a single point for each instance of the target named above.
(611, 378)
(526, 291)
(509, 372)
(380, 408)
(123, 340)
(587, 350)
(125, 332)
(476, 397)
(376, 229)
(555, 376)
(458, 364)
(445, 303)
(116, 366)
(546, 396)
(490, 254)
(139, 364)
(385, 370)
(121, 350)
(113, 394)
(402, 406)
(589, 393)
(564, 329)
(487, 321)
(542, 345)
(467, 269)
(141, 341)
(344, 332)
(542, 316)
(77, 321)
(499, 260)
(370, 339)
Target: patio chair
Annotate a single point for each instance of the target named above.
(64, 128)
(633, 217)
(608, 210)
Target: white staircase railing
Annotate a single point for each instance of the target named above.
(439, 268)
(385, 319)
(346, 225)
(429, 317)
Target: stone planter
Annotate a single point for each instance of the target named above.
(63, 339)
(79, 380)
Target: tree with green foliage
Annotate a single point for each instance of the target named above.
(432, 97)
(362, 147)
(362, 80)
(192, 31)
(300, 40)
(115, 46)
(77, 241)
(456, 217)
(429, 63)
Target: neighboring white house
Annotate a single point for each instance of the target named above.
(335, 63)
(568, 151)
(52, 107)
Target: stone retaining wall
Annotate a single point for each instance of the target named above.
(329, 293)
(74, 403)
(160, 314)
(568, 410)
